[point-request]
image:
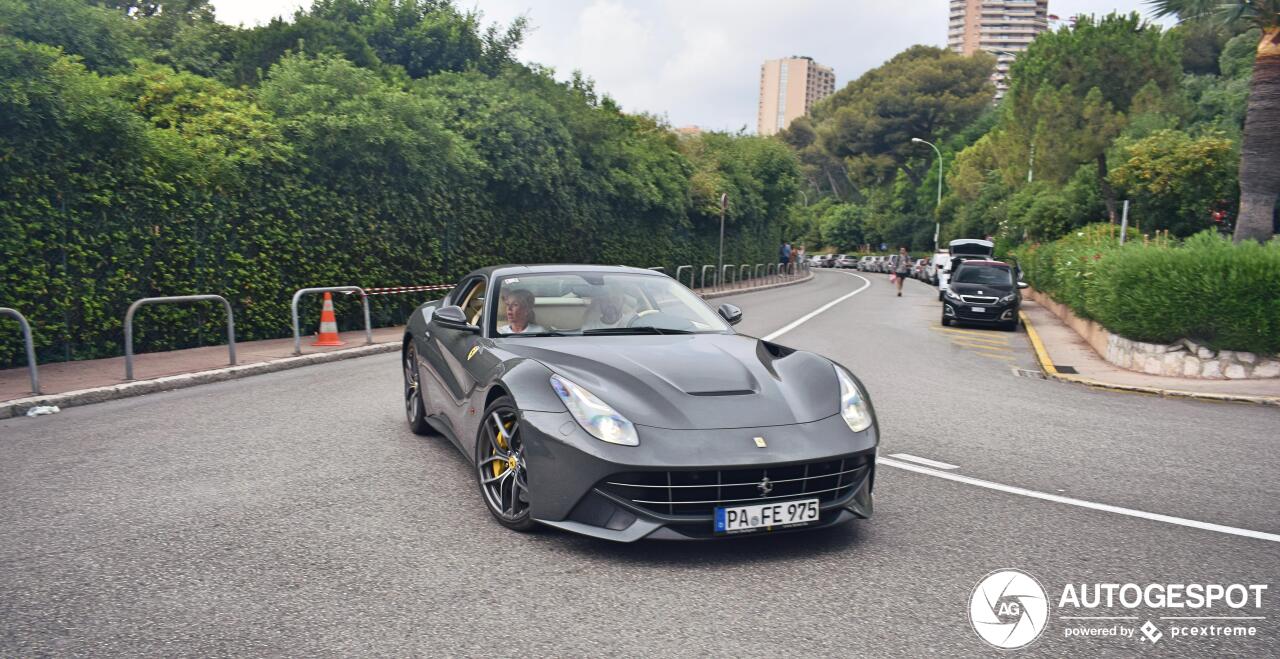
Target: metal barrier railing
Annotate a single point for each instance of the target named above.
(743, 271)
(724, 275)
(658, 268)
(755, 272)
(32, 369)
(128, 324)
(704, 277)
(680, 269)
(364, 301)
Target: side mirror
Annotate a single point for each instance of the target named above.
(730, 313)
(453, 317)
(1023, 284)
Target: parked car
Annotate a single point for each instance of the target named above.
(864, 263)
(845, 261)
(917, 270)
(937, 263)
(815, 261)
(960, 251)
(983, 292)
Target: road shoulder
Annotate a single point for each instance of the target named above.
(1057, 345)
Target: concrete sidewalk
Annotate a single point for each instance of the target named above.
(61, 377)
(95, 380)
(1064, 355)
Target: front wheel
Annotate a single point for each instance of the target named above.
(500, 466)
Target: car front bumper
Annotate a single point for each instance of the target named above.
(990, 314)
(587, 486)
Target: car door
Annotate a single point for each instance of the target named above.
(448, 351)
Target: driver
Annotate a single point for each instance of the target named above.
(607, 310)
(520, 318)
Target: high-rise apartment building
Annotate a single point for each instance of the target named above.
(1003, 28)
(788, 89)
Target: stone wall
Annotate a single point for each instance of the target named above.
(1188, 359)
(1184, 359)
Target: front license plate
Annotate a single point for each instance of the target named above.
(978, 309)
(783, 513)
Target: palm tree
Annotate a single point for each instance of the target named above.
(1260, 151)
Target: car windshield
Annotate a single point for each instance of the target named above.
(987, 275)
(578, 303)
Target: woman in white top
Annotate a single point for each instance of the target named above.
(520, 317)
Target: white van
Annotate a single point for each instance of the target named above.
(959, 250)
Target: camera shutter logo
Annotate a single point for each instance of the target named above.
(1008, 609)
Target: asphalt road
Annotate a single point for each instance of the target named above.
(295, 514)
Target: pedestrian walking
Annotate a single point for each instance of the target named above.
(784, 253)
(900, 266)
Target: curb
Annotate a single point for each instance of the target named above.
(1047, 367)
(19, 407)
(766, 287)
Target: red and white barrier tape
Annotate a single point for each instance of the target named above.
(396, 290)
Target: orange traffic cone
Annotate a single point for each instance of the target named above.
(328, 334)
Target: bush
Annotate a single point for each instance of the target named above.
(1208, 289)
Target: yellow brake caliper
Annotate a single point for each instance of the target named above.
(499, 467)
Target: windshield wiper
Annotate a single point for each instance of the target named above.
(507, 336)
(644, 329)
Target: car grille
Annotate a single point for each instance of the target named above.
(697, 493)
(979, 299)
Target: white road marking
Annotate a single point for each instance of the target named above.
(1155, 517)
(924, 461)
(809, 316)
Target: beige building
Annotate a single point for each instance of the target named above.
(1003, 28)
(788, 89)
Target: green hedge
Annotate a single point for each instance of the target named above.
(1206, 289)
(158, 182)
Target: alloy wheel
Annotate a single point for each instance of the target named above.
(501, 465)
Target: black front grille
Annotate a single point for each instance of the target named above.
(697, 493)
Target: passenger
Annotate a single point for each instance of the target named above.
(520, 317)
(607, 310)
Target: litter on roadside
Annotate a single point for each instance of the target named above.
(41, 410)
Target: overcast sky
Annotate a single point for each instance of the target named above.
(698, 61)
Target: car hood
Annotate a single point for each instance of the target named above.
(693, 382)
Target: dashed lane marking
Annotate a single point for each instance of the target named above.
(1081, 503)
(988, 355)
(924, 461)
(959, 331)
(966, 337)
(982, 346)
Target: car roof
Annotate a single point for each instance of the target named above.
(513, 269)
(985, 263)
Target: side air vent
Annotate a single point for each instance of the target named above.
(731, 392)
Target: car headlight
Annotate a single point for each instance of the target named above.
(853, 406)
(594, 415)
(1007, 299)
(952, 294)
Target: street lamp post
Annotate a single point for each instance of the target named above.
(937, 226)
(724, 204)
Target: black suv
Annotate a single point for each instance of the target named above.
(983, 292)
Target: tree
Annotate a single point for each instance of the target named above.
(1176, 180)
(922, 92)
(1073, 89)
(1260, 150)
